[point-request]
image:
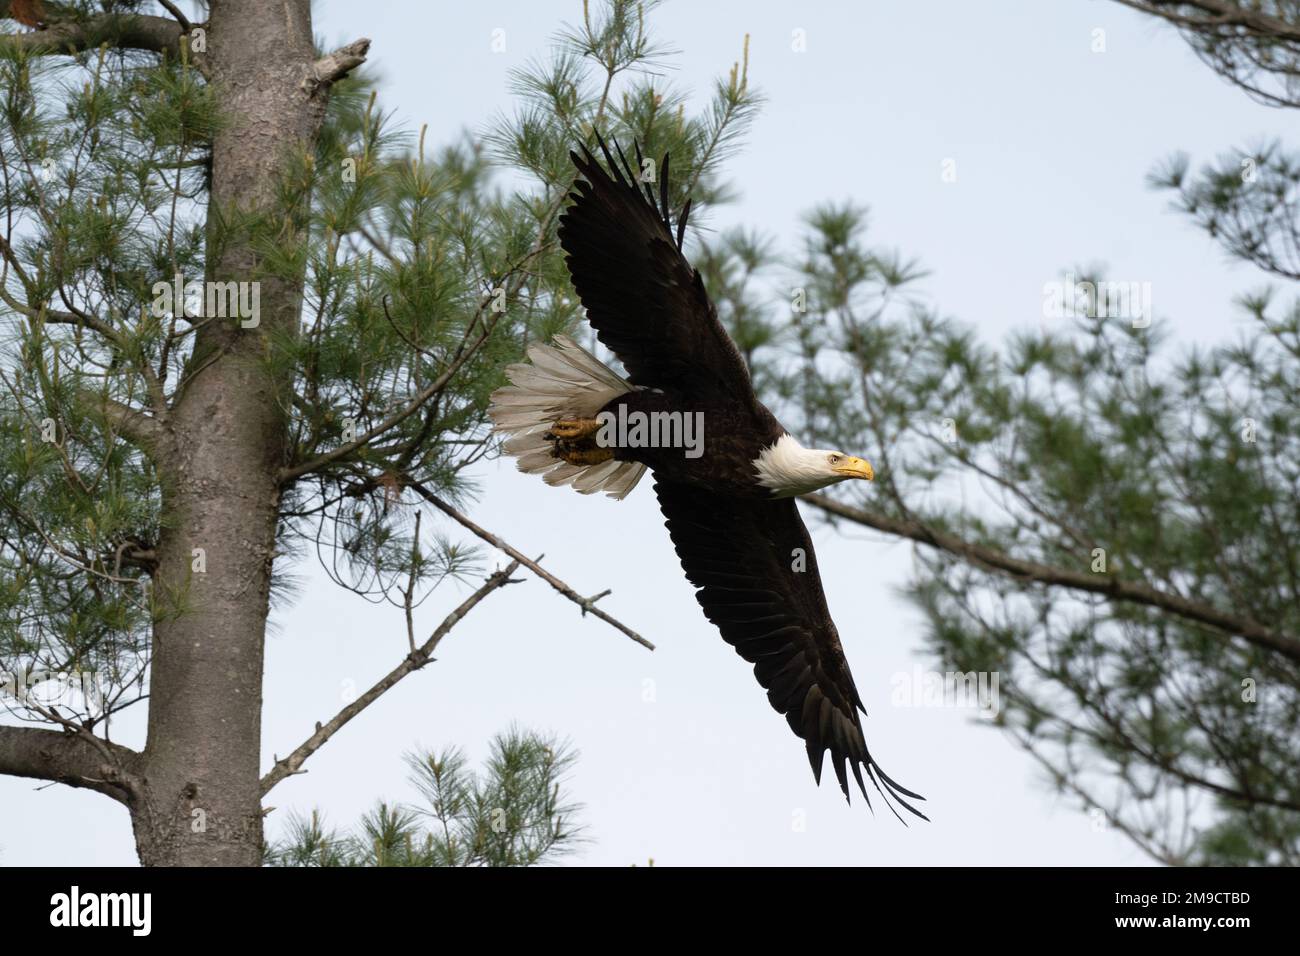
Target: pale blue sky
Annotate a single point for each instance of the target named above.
(1052, 144)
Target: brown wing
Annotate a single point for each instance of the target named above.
(645, 301)
(741, 555)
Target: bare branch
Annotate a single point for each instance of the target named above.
(412, 662)
(69, 758)
(175, 12)
(334, 66)
(141, 429)
(588, 605)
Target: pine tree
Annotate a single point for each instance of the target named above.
(516, 813)
(246, 320)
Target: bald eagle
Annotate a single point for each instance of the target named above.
(725, 470)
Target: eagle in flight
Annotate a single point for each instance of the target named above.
(725, 470)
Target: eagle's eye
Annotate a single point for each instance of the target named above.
(834, 459)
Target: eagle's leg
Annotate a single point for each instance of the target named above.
(583, 456)
(574, 429)
(575, 441)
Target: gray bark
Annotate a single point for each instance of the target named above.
(225, 444)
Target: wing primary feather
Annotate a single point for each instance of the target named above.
(838, 761)
(681, 223)
(663, 192)
(891, 790)
(857, 775)
(588, 154)
(885, 796)
(816, 756)
(894, 785)
(631, 178)
(894, 790)
(609, 158)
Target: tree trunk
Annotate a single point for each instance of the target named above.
(226, 440)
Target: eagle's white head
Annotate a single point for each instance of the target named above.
(789, 469)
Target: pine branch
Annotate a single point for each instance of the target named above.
(80, 318)
(48, 315)
(434, 388)
(463, 354)
(1217, 13)
(64, 33)
(1111, 587)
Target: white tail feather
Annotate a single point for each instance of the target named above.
(563, 381)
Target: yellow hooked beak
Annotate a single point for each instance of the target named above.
(855, 468)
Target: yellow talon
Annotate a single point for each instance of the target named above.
(575, 429)
(585, 456)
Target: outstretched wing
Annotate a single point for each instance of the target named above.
(747, 558)
(645, 301)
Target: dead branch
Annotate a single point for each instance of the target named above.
(413, 661)
(588, 605)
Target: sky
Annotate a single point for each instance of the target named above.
(682, 760)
